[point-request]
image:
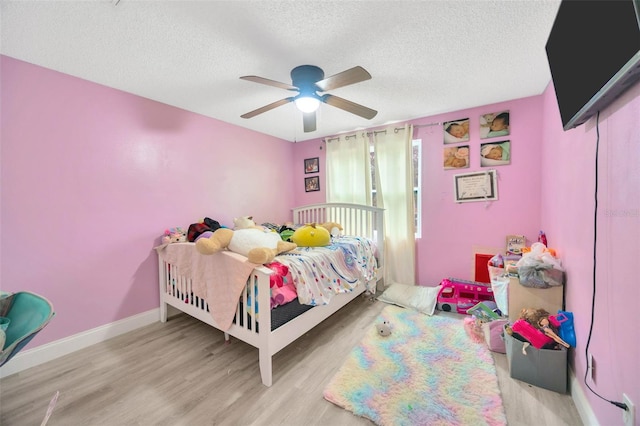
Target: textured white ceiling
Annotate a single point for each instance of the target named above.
(425, 57)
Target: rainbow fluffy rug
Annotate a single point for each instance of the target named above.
(427, 372)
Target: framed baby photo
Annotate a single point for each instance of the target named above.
(495, 153)
(456, 131)
(456, 157)
(312, 184)
(311, 165)
(494, 125)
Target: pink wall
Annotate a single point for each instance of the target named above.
(451, 231)
(303, 150)
(568, 203)
(550, 185)
(92, 176)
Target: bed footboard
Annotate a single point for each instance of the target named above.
(177, 290)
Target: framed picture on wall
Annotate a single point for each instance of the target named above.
(494, 125)
(456, 157)
(478, 186)
(495, 153)
(456, 131)
(311, 165)
(312, 184)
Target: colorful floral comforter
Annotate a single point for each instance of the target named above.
(321, 272)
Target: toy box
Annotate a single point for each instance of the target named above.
(493, 335)
(545, 368)
(458, 295)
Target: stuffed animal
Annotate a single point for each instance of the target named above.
(333, 228)
(311, 235)
(245, 222)
(257, 245)
(174, 235)
(384, 329)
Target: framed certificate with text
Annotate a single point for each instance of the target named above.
(478, 186)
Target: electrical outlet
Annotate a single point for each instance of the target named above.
(628, 415)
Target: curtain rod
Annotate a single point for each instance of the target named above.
(396, 130)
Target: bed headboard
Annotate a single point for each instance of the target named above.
(356, 219)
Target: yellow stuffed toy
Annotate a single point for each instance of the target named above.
(257, 245)
(311, 235)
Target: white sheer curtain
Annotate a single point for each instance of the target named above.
(394, 192)
(348, 168)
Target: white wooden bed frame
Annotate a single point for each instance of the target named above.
(357, 220)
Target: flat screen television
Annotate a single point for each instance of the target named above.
(594, 55)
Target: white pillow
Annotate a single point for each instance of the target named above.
(422, 299)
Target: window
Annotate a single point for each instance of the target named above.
(417, 178)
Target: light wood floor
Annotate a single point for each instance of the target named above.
(182, 373)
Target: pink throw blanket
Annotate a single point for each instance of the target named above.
(218, 279)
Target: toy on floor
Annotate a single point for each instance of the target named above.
(473, 327)
(484, 311)
(383, 328)
(458, 295)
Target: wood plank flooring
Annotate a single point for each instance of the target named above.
(182, 373)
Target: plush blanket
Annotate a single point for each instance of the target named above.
(321, 272)
(218, 279)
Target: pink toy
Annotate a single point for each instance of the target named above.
(459, 295)
(174, 235)
(534, 336)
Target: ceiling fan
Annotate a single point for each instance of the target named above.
(308, 80)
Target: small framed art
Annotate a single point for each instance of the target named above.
(456, 131)
(480, 186)
(494, 125)
(495, 154)
(312, 184)
(311, 165)
(456, 157)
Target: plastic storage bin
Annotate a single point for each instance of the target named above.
(545, 368)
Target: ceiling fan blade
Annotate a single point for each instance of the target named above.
(349, 106)
(344, 78)
(266, 108)
(268, 82)
(309, 120)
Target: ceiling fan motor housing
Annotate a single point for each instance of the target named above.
(305, 77)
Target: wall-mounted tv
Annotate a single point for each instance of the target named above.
(594, 55)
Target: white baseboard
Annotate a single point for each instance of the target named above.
(581, 402)
(31, 357)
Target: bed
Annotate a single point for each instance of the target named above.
(271, 330)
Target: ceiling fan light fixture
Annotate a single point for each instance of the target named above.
(307, 103)
(308, 80)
